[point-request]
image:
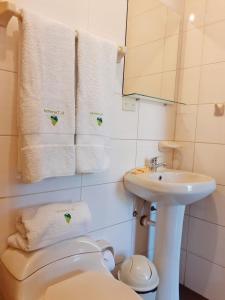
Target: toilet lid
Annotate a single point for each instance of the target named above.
(90, 285)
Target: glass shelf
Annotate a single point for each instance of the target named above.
(146, 98)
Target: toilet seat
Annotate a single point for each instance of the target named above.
(90, 285)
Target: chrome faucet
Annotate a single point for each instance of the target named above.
(153, 164)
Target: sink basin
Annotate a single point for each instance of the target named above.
(174, 186)
(172, 190)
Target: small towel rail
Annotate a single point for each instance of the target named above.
(9, 10)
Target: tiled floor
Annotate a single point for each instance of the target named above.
(186, 294)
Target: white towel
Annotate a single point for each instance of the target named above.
(41, 226)
(96, 75)
(46, 105)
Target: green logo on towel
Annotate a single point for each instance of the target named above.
(67, 217)
(54, 120)
(99, 121)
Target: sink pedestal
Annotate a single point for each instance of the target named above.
(167, 249)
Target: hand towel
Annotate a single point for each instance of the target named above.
(41, 226)
(96, 75)
(47, 98)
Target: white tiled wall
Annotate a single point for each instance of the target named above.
(202, 135)
(135, 134)
(152, 42)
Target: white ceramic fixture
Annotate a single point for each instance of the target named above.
(172, 190)
(72, 269)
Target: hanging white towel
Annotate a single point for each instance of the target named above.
(41, 226)
(46, 104)
(96, 75)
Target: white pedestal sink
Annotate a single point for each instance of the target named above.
(172, 189)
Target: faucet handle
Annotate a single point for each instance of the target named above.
(151, 161)
(154, 160)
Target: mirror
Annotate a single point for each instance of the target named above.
(152, 40)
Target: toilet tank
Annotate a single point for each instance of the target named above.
(26, 275)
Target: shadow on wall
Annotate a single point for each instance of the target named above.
(143, 241)
(8, 40)
(204, 244)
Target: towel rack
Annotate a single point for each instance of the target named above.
(9, 10)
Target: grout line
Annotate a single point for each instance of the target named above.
(110, 226)
(163, 38)
(8, 135)
(60, 190)
(207, 221)
(37, 193)
(204, 24)
(145, 11)
(206, 259)
(8, 71)
(200, 142)
(151, 74)
(203, 65)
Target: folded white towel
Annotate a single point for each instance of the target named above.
(96, 75)
(40, 226)
(46, 105)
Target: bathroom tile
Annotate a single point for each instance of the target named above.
(8, 105)
(189, 85)
(173, 22)
(140, 238)
(11, 207)
(198, 241)
(215, 11)
(9, 46)
(138, 65)
(183, 158)
(156, 121)
(186, 122)
(122, 159)
(171, 53)
(10, 184)
(102, 21)
(125, 124)
(196, 9)
(113, 234)
(146, 85)
(192, 48)
(168, 85)
(212, 88)
(73, 14)
(141, 6)
(214, 43)
(212, 208)
(209, 126)
(182, 265)
(110, 204)
(213, 167)
(184, 241)
(205, 278)
(148, 150)
(147, 27)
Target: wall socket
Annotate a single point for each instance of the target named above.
(129, 104)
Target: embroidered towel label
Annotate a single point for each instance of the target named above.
(97, 118)
(68, 218)
(54, 120)
(53, 115)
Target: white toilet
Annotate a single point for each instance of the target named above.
(72, 269)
